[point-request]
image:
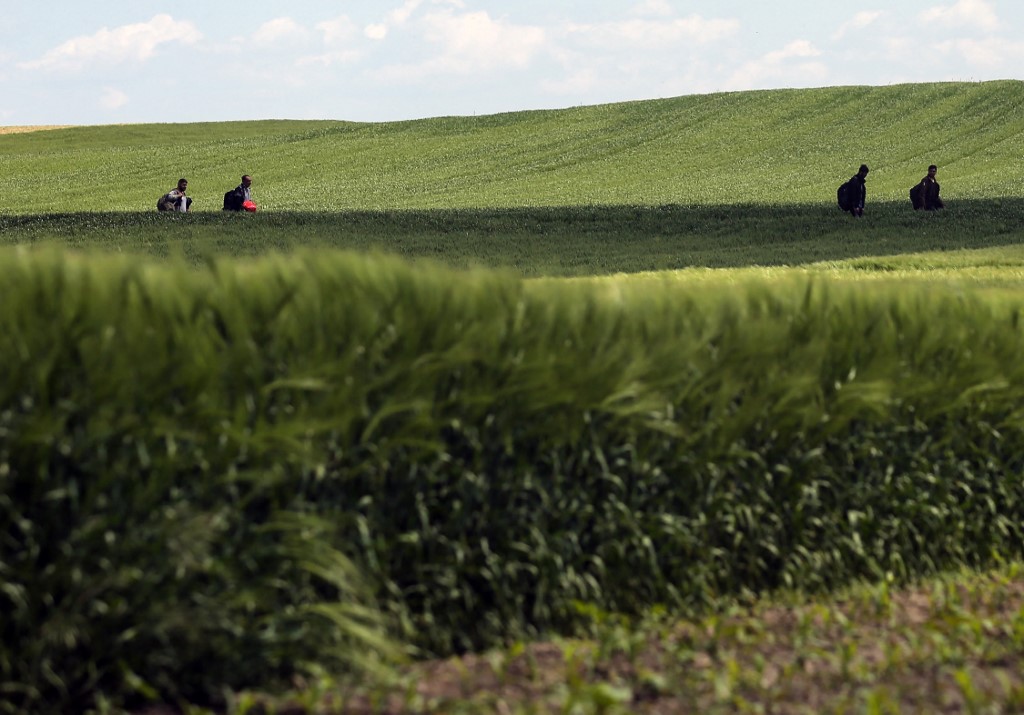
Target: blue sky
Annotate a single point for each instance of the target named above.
(374, 60)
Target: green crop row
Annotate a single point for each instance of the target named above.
(219, 478)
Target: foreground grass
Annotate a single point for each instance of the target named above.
(949, 644)
(486, 452)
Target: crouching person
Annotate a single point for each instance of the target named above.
(175, 199)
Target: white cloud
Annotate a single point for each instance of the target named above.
(279, 31)
(128, 43)
(338, 36)
(403, 13)
(793, 65)
(328, 59)
(112, 98)
(797, 48)
(377, 31)
(471, 43)
(337, 31)
(990, 53)
(475, 39)
(859, 21)
(652, 33)
(398, 16)
(654, 8)
(963, 13)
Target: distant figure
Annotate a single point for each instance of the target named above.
(926, 194)
(175, 199)
(240, 198)
(852, 194)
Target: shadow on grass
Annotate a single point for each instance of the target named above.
(572, 240)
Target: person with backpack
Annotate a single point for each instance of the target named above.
(852, 194)
(175, 199)
(240, 198)
(926, 194)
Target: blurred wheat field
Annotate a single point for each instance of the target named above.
(470, 454)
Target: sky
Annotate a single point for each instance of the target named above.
(115, 61)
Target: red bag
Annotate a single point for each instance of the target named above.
(249, 206)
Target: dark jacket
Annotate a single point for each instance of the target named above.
(929, 193)
(857, 192)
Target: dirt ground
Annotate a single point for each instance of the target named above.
(942, 648)
(946, 647)
(24, 129)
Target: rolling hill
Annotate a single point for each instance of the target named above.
(774, 147)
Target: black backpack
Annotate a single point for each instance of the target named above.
(843, 196)
(917, 197)
(233, 200)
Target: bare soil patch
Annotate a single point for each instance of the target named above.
(26, 129)
(941, 648)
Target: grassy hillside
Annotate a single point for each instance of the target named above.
(768, 147)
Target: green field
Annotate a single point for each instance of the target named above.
(719, 180)
(609, 405)
(766, 148)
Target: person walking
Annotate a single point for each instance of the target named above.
(175, 199)
(926, 193)
(240, 198)
(854, 192)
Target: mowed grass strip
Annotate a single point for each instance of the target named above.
(557, 241)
